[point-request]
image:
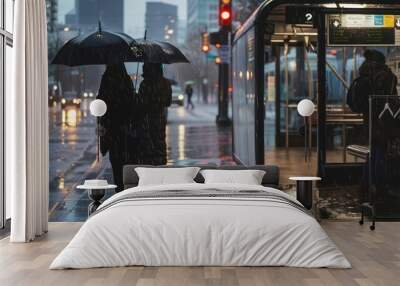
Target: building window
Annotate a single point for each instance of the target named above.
(6, 43)
(213, 7)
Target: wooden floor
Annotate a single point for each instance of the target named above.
(291, 161)
(375, 257)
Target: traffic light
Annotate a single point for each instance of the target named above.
(225, 14)
(205, 42)
(219, 38)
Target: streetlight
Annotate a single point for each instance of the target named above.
(98, 108)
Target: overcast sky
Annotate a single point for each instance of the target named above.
(134, 11)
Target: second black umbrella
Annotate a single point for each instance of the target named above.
(159, 52)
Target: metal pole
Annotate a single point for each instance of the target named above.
(223, 92)
(286, 51)
(222, 117)
(338, 76)
(310, 93)
(321, 134)
(206, 85)
(98, 140)
(309, 137)
(305, 139)
(354, 63)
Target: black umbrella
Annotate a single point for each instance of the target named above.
(158, 52)
(100, 47)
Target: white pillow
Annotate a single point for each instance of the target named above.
(248, 177)
(166, 176)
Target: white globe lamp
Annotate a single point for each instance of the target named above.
(305, 107)
(98, 108)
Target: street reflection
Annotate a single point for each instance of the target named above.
(191, 136)
(70, 117)
(61, 184)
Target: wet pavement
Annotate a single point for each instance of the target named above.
(192, 138)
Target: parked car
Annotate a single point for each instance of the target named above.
(70, 98)
(177, 95)
(88, 94)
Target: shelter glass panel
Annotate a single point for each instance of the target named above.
(244, 98)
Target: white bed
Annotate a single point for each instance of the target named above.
(206, 230)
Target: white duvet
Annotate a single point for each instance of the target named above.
(200, 231)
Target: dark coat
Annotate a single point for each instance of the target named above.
(156, 94)
(116, 89)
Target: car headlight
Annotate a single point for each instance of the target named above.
(91, 94)
(63, 101)
(180, 97)
(85, 94)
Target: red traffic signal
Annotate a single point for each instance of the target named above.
(225, 13)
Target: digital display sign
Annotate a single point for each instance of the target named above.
(363, 30)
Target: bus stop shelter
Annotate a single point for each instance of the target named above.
(289, 50)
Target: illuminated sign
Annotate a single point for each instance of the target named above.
(300, 15)
(363, 30)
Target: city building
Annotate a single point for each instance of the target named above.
(182, 28)
(161, 21)
(202, 15)
(71, 18)
(110, 13)
(85, 19)
(51, 15)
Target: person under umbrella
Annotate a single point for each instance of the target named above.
(116, 138)
(156, 93)
(128, 135)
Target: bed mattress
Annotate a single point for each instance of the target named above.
(201, 225)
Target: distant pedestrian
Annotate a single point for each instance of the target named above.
(156, 94)
(205, 90)
(189, 94)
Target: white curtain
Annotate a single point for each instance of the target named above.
(27, 124)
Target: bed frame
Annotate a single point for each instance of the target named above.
(270, 179)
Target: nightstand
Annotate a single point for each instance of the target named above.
(95, 194)
(304, 192)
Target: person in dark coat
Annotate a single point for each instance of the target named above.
(116, 90)
(156, 94)
(189, 94)
(375, 78)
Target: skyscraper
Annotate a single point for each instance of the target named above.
(161, 21)
(88, 14)
(51, 15)
(110, 13)
(202, 15)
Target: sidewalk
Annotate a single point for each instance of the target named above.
(192, 138)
